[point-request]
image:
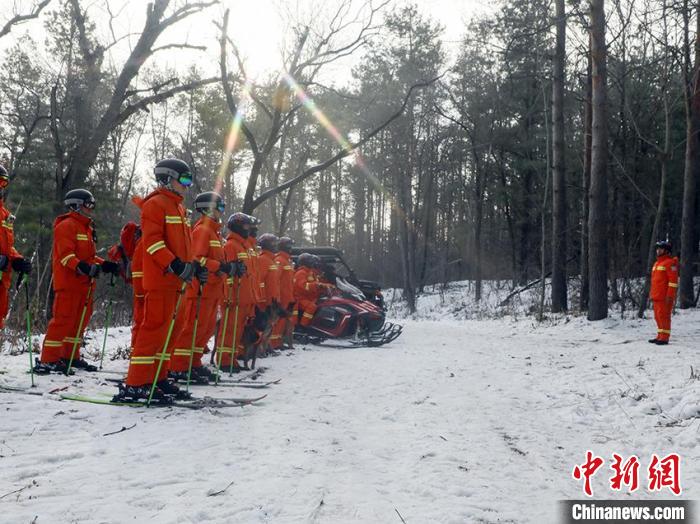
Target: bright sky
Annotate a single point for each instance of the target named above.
(256, 26)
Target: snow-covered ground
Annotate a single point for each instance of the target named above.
(456, 421)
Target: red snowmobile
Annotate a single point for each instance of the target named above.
(353, 313)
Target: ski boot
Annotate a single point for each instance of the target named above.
(204, 375)
(181, 376)
(45, 368)
(80, 364)
(170, 389)
(140, 394)
(662, 342)
(653, 341)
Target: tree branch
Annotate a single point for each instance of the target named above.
(18, 19)
(143, 103)
(346, 151)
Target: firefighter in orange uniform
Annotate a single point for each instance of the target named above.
(282, 330)
(167, 266)
(10, 259)
(208, 248)
(75, 267)
(664, 284)
(308, 287)
(129, 255)
(270, 278)
(240, 291)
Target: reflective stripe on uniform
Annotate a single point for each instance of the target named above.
(162, 356)
(72, 340)
(671, 284)
(65, 259)
(142, 360)
(274, 268)
(242, 255)
(81, 236)
(287, 268)
(224, 350)
(53, 343)
(308, 315)
(665, 331)
(156, 246)
(214, 243)
(137, 274)
(202, 261)
(173, 219)
(660, 268)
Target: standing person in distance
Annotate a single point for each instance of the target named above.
(664, 285)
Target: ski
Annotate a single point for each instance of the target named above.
(249, 385)
(30, 391)
(198, 403)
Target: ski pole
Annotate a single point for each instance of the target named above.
(194, 334)
(223, 331)
(78, 334)
(28, 315)
(235, 327)
(108, 318)
(167, 341)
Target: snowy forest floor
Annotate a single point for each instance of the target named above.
(456, 421)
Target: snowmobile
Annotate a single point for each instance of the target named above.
(353, 313)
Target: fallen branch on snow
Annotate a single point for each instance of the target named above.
(399, 514)
(124, 428)
(216, 493)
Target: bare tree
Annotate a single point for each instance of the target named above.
(74, 162)
(559, 294)
(20, 18)
(691, 78)
(598, 194)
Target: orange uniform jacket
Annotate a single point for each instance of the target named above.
(166, 235)
(73, 242)
(253, 264)
(7, 248)
(208, 248)
(284, 262)
(269, 277)
(664, 278)
(307, 285)
(236, 249)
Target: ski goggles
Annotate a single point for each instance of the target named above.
(89, 204)
(185, 179)
(221, 207)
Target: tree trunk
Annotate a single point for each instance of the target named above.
(692, 165)
(586, 183)
(559, 294)
(598, 194)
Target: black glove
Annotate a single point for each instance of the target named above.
(4, 261)
(22, 265)
(240, 268)
(110, 267)
(201, 272)
(184, 270)
(226, 268)
(88, 270)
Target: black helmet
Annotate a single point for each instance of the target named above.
(209, 201)
(309, 260)
(77, 198)
(664, 244)
(236, 223)
(285, 244)
(268, 242)
(4, 176)
(173, 169)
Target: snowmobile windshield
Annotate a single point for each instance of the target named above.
(347, 287)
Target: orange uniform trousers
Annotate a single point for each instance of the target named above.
(62, 332)
(226, 342)
(159, 308)
(308, 308)
(662, 315)
(206, 326)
